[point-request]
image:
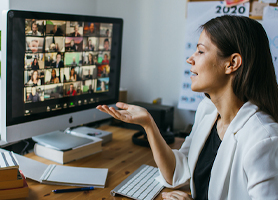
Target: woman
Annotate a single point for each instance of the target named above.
(54, 78)
(90, 59)
(72, 46)
(232, 150)
(34, 81)
(35, 64)
(105, 60)
(73, 76)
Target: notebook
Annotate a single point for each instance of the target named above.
(62, 175)
(74, 176)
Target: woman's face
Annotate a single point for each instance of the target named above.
(53, 73)
(72, 71)
(208, 69)
(35, 61)
(58, 58)
(35, 76)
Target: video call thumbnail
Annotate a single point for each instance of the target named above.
(65, 58)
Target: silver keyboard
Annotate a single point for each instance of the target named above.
(140, 185)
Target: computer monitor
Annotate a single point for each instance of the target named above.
(56, 68)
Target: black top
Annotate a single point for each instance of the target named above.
(204, 164)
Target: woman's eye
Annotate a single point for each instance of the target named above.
(200, 52)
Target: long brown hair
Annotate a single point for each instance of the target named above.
(255, 80)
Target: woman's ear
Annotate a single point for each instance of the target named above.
(234, 64)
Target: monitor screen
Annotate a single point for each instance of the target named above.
(60, 64)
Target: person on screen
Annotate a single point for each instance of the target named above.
(73, 46)
(35, 64)
(90, 89)
(105, 60)
(75, 33)
(73, 64)
(91, 31)
(34, 80)
(95, 59)
(34, 46)
(73, 76)
(54, 79)
(48, 62)
(231, 152)
(103, 86)
(89, 76)
(34, 95)
(90, 46)
(107, 32)
(104, 72)
(106, 45)
(59, 63)
(71, 91)
(90, 59)
(56, 31)
(34, 31)
(54, 47)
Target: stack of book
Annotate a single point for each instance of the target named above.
(12, 182)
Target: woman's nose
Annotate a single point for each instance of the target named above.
(190, 60)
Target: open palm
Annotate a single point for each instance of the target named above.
(128, 113)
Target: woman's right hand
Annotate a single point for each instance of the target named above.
(163, 154)
(129, 113)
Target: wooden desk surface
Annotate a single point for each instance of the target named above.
(120, 156)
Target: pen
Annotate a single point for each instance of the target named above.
(73, 190)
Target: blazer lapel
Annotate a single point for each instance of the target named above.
(200, 136)
(220, 172)
(221, 169)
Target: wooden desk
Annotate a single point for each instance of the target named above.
(120, 156)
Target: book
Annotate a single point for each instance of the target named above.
(12, 183)
(17, 192)
(8, 166)
(62, 175)
(65, 156)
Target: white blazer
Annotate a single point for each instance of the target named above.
(246, 164)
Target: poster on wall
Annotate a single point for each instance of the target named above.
(197, 14)
(270, 21)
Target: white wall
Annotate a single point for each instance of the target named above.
(153, 44)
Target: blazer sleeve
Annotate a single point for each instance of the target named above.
(182, 173)
(261, 168)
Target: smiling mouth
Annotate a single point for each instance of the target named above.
(194, 74)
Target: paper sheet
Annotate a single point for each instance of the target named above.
(271, 28)
(270, 12)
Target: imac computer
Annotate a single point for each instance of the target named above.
(56, 68)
